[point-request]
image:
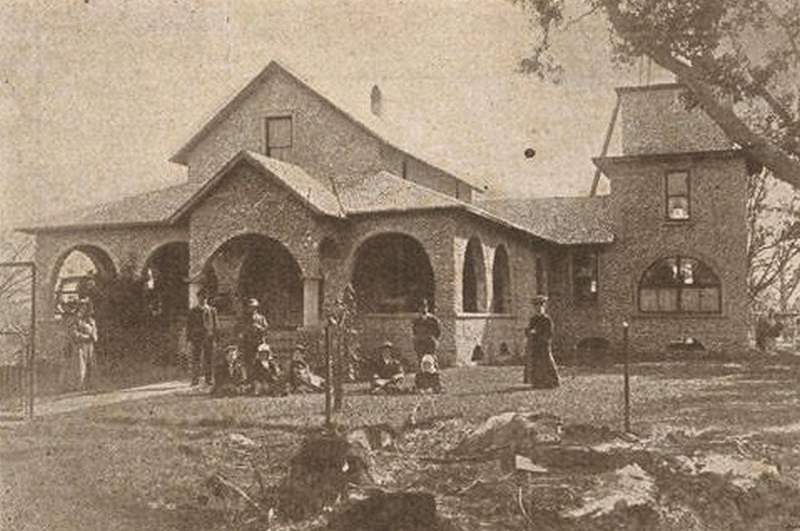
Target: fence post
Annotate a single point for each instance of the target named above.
(625, 328)
(328, 375)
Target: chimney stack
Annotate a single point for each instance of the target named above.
(375, 100)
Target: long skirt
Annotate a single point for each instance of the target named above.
(541, 371)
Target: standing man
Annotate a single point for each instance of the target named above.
(84, 336)
(426, 330)
(201, 330)
(540, 370)
(252, 332)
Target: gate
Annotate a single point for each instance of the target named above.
(17, 339)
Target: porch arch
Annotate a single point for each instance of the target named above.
(256, 266)
(78, 272)
(501, 281)
(392, 273)
(473, 282)
(165, 277)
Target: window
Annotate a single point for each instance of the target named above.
(279, 137)
(584, 275)
(677, 195)
(405, 169)
(501, 282)
(680, 284)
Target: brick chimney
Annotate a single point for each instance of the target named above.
(376, 100)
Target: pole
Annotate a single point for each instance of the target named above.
(328, 374)
(625, 328)
(31, 390)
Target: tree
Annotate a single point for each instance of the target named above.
(739, 58)
(773, 247)
(343, 319)
(15, 282)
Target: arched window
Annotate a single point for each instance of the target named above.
(501, 282)
(473, 288)
(680, 284)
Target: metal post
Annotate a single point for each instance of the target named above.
(625, 328)
(328, 375)
(32, 353)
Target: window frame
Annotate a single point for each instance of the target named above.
(595, 275)
(668, 196)
(271, 117)
(679, 289)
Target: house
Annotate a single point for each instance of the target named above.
(290, 197)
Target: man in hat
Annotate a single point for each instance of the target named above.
(388, 376)
(202, 326)
(426, 330)
(541, 369)
(252, 332)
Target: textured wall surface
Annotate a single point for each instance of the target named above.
(716, 234)
(325, 142)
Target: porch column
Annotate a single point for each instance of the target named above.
(194, 289)
(311, 301)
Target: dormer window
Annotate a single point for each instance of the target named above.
(279, 137)
(677, 186)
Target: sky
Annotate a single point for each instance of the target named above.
(96, 95)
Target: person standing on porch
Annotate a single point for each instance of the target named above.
(201, 330)
(426, 330)
(84, 336)
(252, 332)
(540, 369)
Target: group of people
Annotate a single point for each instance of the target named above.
(389, 376)
(251, 364)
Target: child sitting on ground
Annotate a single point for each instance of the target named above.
(301, 379)
(266, 373)
(428, 379)
(388, 376)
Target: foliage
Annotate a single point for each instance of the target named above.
(773, 251)
(342, 320)
(739, 58)
(15, 283)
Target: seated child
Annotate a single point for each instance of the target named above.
(229, 374)
(301, 379)
(266, 373)
(388, 376)
(428, 379)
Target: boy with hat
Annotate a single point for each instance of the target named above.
(388, 374)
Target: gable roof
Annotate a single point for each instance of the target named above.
(563, 220)
(372, 124)
(568, 220)
(307, 189)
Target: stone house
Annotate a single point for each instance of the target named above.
(290, 196)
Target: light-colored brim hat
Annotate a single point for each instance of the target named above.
(387, 344)
(540, 299)
(252, 303)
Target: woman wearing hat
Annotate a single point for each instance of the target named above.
(84, 336)
(540, 370)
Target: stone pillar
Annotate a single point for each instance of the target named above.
(311, 296)
(194, 288)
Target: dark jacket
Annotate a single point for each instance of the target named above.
(202, 323)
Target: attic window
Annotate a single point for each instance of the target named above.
(279, 137)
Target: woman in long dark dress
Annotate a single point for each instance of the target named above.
(541, 369)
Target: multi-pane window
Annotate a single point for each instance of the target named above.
(279, 137)
(677, 195)
(680, 284)
(584, 275)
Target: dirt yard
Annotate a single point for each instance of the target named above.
(144, 465)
